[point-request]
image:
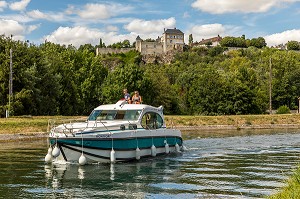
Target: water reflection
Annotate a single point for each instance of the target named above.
(249, 165)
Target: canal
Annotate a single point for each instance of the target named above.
(216, 164)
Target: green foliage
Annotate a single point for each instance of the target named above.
(283, 110)
(292, 189)
(233, 42)
(209, 43)
(293, 45)
(191, 40)
(241, 42)
(123, 44)
(52, 79)
(258, 42)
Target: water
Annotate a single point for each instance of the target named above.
(243, 164)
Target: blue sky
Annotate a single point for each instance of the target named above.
(86, 21)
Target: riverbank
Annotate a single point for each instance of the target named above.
(17, 128)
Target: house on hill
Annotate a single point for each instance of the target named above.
(214, 41)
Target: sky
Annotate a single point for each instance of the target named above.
(79, 22)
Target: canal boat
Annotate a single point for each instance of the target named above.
(113, 133)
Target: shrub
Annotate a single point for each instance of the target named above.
(283, 110)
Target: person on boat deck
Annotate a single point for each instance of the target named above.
(136, 98)
(127, 96)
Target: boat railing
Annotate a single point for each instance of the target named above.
(67, 123)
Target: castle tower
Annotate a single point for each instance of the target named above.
(173, 39)
(138, 44)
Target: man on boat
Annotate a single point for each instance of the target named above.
(127, 96)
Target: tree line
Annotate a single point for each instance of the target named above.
(53, 79)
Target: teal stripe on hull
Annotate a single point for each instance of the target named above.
(118, 144)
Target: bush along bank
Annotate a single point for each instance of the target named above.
(292, 188)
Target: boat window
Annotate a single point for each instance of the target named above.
(152, 120)
(93, 116)
(132, 114)
(120, 115)
(114, 115)
(107, 115)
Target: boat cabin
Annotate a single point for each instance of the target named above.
(148, 117)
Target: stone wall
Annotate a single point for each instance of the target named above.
(100, 51)
(164, 58)
(151, 48)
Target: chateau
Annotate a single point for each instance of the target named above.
(171, 39)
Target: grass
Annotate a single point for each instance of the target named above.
(236, 120)
(292, 188)
(29, 125)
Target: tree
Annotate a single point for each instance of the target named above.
(100, 43)
(258, 42)
(209, 43)
(191, 39)
(233, 42)
(293, 45)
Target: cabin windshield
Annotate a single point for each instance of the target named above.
(114, 115)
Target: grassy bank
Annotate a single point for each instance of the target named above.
(234, 120)
(29, 125)
(292, 188)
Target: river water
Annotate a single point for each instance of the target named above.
(237, 164)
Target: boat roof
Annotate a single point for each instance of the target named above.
(122, 105)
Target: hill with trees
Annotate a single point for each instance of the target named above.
(52, 79)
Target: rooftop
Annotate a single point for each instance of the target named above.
(173, 31)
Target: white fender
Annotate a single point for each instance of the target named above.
(50, 150)
(48, 158)
(153, 150)
(177, 148)
(82, 160)
(137, 153)
(55, 152)
(167, 148)
(112, 155)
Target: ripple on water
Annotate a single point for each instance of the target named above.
(251, 166)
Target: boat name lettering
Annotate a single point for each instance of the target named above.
(103, 135)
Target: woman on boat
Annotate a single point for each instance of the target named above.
(136, 98)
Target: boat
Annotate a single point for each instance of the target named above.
(113, 133)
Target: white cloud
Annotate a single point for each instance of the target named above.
(70, 10)
(147, 27)
(36, 14)
(242, 6)
(100, 11)
(283, 37)
(95, 11)
(11, 27)
(112, 28)
(19, 5)
(207, 31)
(31, 28)
(80, 35)
(3, 5)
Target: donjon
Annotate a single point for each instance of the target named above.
(171, 39)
